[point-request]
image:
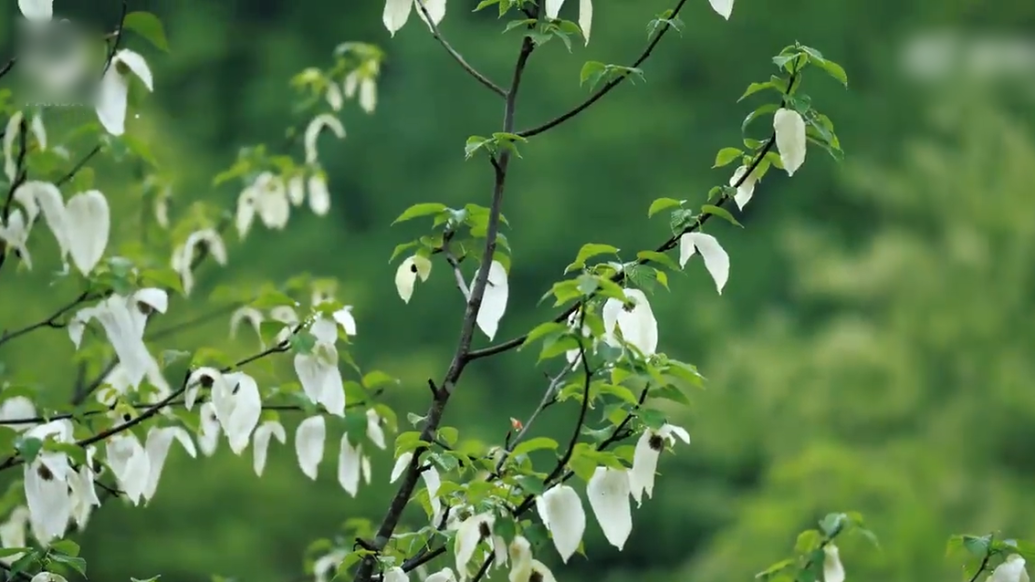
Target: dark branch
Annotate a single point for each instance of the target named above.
(457, 56)
(51, 321)
(610, 84)
(118, 39)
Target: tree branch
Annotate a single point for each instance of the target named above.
(79, 166)
(460, 357)
(457, 56)
(455, 264)
(118, 38)
(7, 67)
(48, 322)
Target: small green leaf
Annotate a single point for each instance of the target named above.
(148, 26)
(67, 547)
(721, 213)
(536, 444)
(755, 88)
(419, 210)
(726, 156)
(662, 204)
(28, 448)
(588, 251)
(543, 330)
(77, 564)
(592, 72)
(475, 143)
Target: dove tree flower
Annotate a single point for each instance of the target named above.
(397, 12)
(789, 128)
(315, 128)
(352, 465)
(270, 429)
(16, 408)
(318, 370)
(319, 194)
(11, 132)
(309, 442)
(82, 491)
(407, 274)
(252, 315)
(494, 300)
(238, 406)
(553, 10)
(561, 511)
(363, 81)
(471, 532)
(634, 319)
(14, 236)
(746, 189)
(12, 533)
(608, 493)
(715, 258)
(46, 483)
(81, 227)
(207, 240)
(37, 10)
(833, 571)
(266, 197)
(723, 7)
(130, 464)
(113, 90)
(645, 458)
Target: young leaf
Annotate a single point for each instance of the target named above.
(148, 26)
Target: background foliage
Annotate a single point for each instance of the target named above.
(871, 350)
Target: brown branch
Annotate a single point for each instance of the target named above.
(118, 38)
(610, 84)
(470, 70)
(7, 69)
(51, 321)
(461, 356)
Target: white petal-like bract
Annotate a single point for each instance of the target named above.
(746, 189)
(608, 492)
(789, 128)
(637, 323)
(715, 258)
(833, 571)
(309, 442)
(645, 458)
(723, 7)
(494, 300)
(407, 274)
(88, 227)
(561, 511)
(39, 10)
(261, 442)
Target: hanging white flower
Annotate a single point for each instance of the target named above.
(123, 319)
(645, 458)
(715, 258)
(309, 442)
(203, 377)
(401, 464)
(433, 481)
(15, 236)
(350, 465)
(39, 131)
(334, 97)
(375, 433)
(344, 318)
(494, 301)
(561, 511)
(11, 132)
(17, 408)
(33, 193)
(789, 128)
(252, 315)
(608, 493)
(471, 532)
(319, 195)
(82, 491)
(287, 316)
(267, 197)
(833, 571)
(183, 256)
(746, 189)
(324, 566)
(363, 80)
(296, 189)
(443, 575)
(113, 90)
(12, 533)
(408, 272)
(261, 442)
(38, 10)
(89, 226)
(723, 7)
(315, 127)
(573, 355)
(397, 12)
(636, 321)
(1011, 570)
(46, 483)
(208, 429)
(520, 552)
(238, 407)
(396, 574)
(130, 463)
(159, 440)
(318, 370)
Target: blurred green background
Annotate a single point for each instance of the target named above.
(871, 352)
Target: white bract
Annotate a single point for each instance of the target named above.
(396, 574)
(407, 274)
(261, 442)
(319, 195)
(397, 12)
(309, 441)
(238, 407)
(123, 319)
(494, 300)
(11, 132)
(15, 236)
(252, 315)
(267, 197)
(113, 91)
(715, 258)
(205, 240)
(159, 440)
(1011, 570)
(635, 320)
(82, 491)
(46, 483)
(363, 79)
(88, 228)
(608, 493)
(723, 7)
(315, 127)
(746, 189)
(443, 575)
(645, 458)
(561, 511)
(790, 139)
(39, 10)
(318, 370)
(130, 463)
(352, 465)
(12, 533)
(553, 9)
(17, 408)
(573, 355)
(208, 429)
(833, 571)
(471, 532)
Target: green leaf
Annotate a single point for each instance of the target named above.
(662, 204)
(418, 210)
(543, 330)
(530, 484)
(767, 108)
(67, 547)
(148, 26)
(657, 257)
(726, 156)
(755, 88)
(77, 564)
(273, 298)
(485, 4)
(28, 448)
(536, 444)
(721, 213)
(475, 143)
(592, 72)
(167, 278)
(589, 251)
(302, 342)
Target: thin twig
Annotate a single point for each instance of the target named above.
(51, 321)
(610, 84)
(7, 69)
(455, 264)
(79, 166)
(457, 56)
(118, 39)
